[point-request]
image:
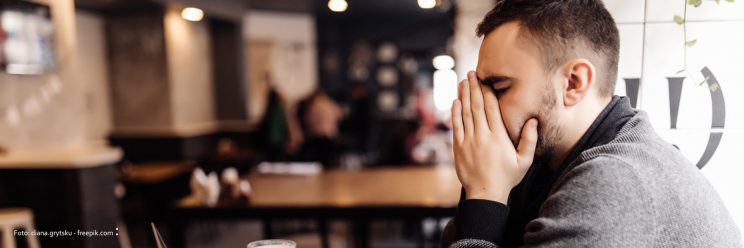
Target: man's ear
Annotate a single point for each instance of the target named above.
(581, 76)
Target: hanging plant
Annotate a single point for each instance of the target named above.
(682, 20)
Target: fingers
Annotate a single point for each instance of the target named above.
(527, 143)
(467, 114)
(476, 103)
(493, 112)
(457, 124)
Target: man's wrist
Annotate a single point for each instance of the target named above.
(491, 194)
(482, 220)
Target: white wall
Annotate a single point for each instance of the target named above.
(189, 59)
(466, 43)
(93, 74)
(293, 55)
(652, 48)
(65, 108)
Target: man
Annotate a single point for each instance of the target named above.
(549, 158)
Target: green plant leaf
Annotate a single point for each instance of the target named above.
(691, 43)
(695, 3)
(679, 20)
(704, 81)
(730, 1)
(713, 87)
(718, 2)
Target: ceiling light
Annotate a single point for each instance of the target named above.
(337, 5)
(443, 62)
(427, 4)
(192, 14)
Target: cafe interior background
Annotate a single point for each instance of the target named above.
(324, 122)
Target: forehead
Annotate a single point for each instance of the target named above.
(504, 50)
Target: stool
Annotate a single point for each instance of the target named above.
(16, 218)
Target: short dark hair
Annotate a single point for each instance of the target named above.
(558, 26)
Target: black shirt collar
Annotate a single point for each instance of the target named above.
(603, 130)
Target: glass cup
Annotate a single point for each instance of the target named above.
(273, 243)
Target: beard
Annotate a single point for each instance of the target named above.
(549, 131)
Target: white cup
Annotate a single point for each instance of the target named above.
(273, 243)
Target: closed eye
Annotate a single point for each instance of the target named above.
(499, 84)
(499, 92)
(490, 81)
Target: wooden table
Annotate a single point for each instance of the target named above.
(66, 188)
(153, 173)
(382, 193)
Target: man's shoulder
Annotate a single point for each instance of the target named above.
(652, 178)
(637, 145)
(637, 157)
(603, 176)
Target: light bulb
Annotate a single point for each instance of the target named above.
(192, 14)
(337, 5)
(427, 4)
(443, 62)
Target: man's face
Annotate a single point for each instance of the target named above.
(523, 87)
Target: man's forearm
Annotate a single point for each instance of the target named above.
(477, 222)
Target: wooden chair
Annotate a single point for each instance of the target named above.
(13, 219)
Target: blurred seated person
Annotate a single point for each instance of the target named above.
(319, 117)
(359, 122)
(433, 138)
(279, 134)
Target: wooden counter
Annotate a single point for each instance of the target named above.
(74, 158)
(67, 189)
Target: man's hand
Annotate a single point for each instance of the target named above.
(486, 161)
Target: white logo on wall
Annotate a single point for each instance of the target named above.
(718, 108)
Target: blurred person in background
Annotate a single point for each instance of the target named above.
(360, 118)
(319, 117)
(279, 132)
(432, 140)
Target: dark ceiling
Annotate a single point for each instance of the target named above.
(111, 6)
(356, 7)
(283, 5)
